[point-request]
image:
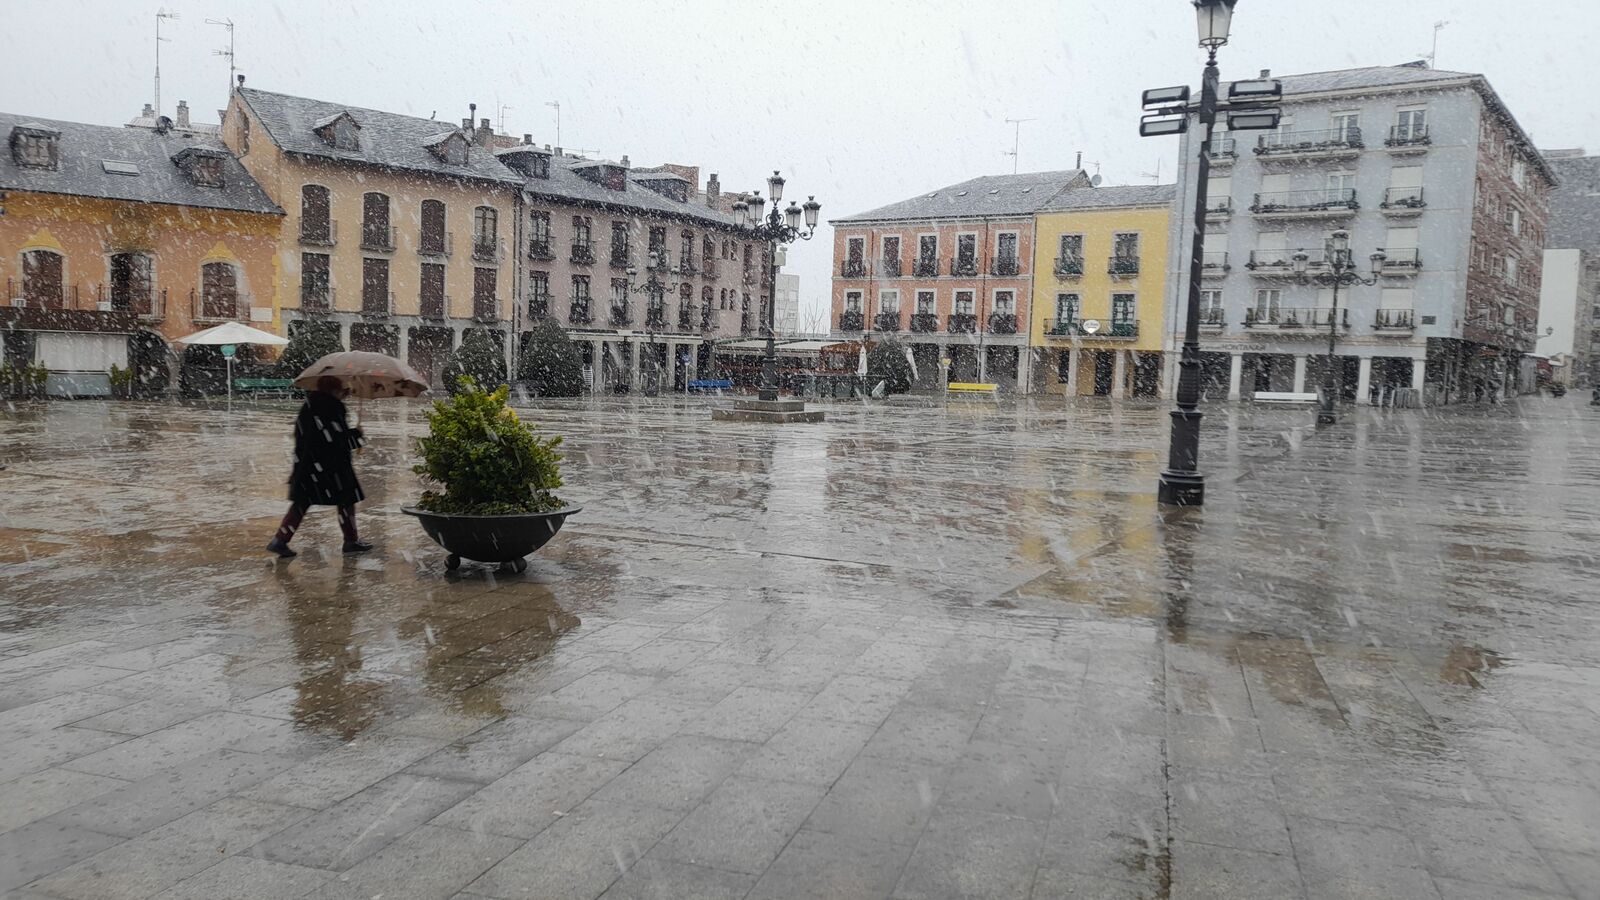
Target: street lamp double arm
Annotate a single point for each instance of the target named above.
(655, 291)
(1339, 270)
(775, 229)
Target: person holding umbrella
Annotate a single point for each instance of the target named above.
(323, 473)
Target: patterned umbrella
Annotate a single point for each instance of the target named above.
(367, 375)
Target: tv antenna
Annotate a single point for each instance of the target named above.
(1433, 54)
(161, 13)
(1016, 141)
(501, 125)
(1155, 176)
(228, 24)
(557, 105)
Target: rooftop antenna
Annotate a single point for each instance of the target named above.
(161, 13)
(1433, 54)
(1016, 141)
(501, 127)
(1153, 176)
(557, 105)
(228, 24)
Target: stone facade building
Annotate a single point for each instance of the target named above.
(1428, 166)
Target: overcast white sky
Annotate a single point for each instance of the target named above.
(861, 102)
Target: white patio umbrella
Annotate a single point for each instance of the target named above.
(229, 334)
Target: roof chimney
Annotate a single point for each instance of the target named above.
(558, 151)
(241, 81)
(183, 115)
(149, 112)
(484, 136)
(1079, 163)
(713, 190)
(625, 163)
(527, 139)
(1266, 73)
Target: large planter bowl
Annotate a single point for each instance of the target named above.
(497, 539)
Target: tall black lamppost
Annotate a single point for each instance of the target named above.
(1168, 113)
(775, 229)
(655, 292)
(1338, 270)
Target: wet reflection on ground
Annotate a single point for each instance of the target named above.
(911, 651)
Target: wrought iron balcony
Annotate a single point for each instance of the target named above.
(1219, 207)
(377, 304)
(1122, 329)
(708, 267)
(891, 267)
(486, 310)
(319, 234)
(1273, 262)
(655, 317)
(853, 269)
(215, 307)
(1224, 151)
(486, 248)
(1211, 318)
(685, 318)
(1123, 265)
(1402, 201)
(1002, 323)
(924, 323)
(963, 267)
(540, 250)
(1408, 137)
(620, 315)
(1214, 263)
(1315, 202)
(1065, 328)
(686, 264)
(1069, 266)
(925, 268)
(886, 321)
(1401, 260)
(582, 253)
(436, 243)
(1395, 320)
(433, 308)
(963, 323)
(1004, 266)
(708, 319)
(1329, 142)
(538, 306)
(378, 237)
(621, 256)
(851, 320)
(578, 311)
(1295, 318)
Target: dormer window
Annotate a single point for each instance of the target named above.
(339, 131)
(450, 148)
(36, 147)
(525, 160)
(203, 165)
(539, 166)
(608, 175)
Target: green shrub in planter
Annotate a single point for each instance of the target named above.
(551, 365)
(887, 362)
(480, 358)
(488, 461)
(121, 381)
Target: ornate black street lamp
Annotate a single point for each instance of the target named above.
(776, 229)
(1339, 270)
(1168, 112)
(655, 291)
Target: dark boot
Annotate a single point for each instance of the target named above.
(281, 547)
(356, 547)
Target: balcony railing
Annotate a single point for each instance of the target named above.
(1224, 150)
(378, 237)
(925, 268)
(1214, 262)
(1122, 329)
(1123, 265)
(486, 310)
(891, 267)
(377, 304)
(708, 267)
(708, 318)
(1309, 143)
(619, 315)
(924, 322)
(1402, 259)
(1294, 318)
(1002, 323)
(582, 253)
(1064, 327)
(217, 307)
(1408, 136)
(1219, 206)
(962, 267)
(621, 256)
(436, 243)
(886, 321)
(1395, 320)
(849, 269)
(578, 311)
(963, 323)
(686, 264)
(149, 305)
(539, 306)
(486, 249)
(434, 307)
(1004, 266)
(541, 250)
(1211, 318)
(1265, 262)
(1335, 201)
(1402, 199)
(685, 318)
(655, 317)
(851, 320)
(319, 234)
(1069, 266)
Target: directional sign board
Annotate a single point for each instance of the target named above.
(1256, 89)
(1167, 96)
(1254, 120)
(1158, 127)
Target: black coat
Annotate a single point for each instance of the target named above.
(323, 443)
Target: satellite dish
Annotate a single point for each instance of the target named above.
(1095, 180)
(1090, 326)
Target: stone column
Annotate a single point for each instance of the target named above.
(403, 348)
(1024, 370)
(1169, 386)
(1300, 373)
(599, 370)
(1235, 376)
(635, 367)
(344, 333)
(1074, 357)
(1119, 374)
(1419, 371)
(1364, 382)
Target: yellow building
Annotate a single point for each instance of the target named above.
(114, 241)
(1099, 291)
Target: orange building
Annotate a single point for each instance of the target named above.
(114, 241)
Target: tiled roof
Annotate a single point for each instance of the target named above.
(989, 195)
(566, 185)
(388, 139)
(84, 150)
(1112, 197)
(1368, 77)
(1575, 204)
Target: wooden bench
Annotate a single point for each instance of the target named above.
(968, 388)
(711, 384)
(1284, 397)
(263, 385)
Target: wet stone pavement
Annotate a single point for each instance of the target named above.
(910, 653)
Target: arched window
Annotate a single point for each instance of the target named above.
(315, 225)
(485, 232)
(432, 227)
(219, 291)
(43, 278)
(131, 280)
(375, 231)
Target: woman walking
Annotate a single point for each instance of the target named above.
(323, 474)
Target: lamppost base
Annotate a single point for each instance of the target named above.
(1181, 489)
(770, 412)
(1327, 417)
